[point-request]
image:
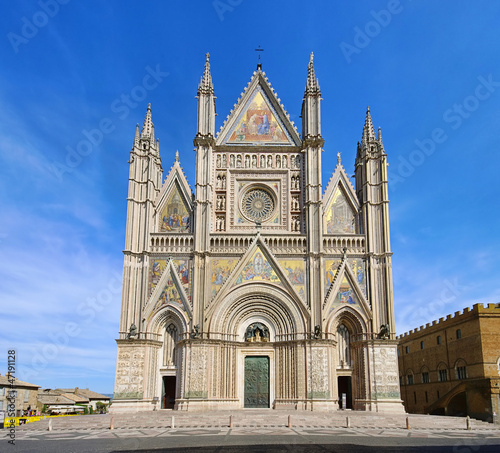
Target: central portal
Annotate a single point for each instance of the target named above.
(257, 382)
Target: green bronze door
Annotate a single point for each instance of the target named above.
(256, 381)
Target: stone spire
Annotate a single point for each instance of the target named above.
(368, 131)
(206, 103)
(137, 135)
(148, 130)
(312, 82)
(379, 136)
(206, 85)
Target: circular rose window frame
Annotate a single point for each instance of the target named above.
(258, 204)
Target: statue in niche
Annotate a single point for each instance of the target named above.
(278, 162)
(257, 332)
(218, 161)
(262, 161)
(269, 161)
(317, 332)
(254, 161)
(231, 160)
(238, 161)
(284, 162)
(297, 162)
(247, 161)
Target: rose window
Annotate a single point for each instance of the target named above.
(257, 205)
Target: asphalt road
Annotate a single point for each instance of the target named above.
(299, 442)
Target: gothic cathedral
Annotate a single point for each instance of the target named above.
(258, 290)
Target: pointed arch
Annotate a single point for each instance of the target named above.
(258, 303)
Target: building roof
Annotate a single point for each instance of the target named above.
(51, 399)
(78, 399)
(4, 381)
(85, 393)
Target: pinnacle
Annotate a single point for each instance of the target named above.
(312, 81)
(148, 128)
(368, 131)
(206, 79)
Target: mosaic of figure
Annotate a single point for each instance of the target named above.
(258, 123)
(175, 216)
(340, 217)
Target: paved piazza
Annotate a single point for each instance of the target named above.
(265, 430)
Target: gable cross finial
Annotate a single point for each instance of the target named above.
(177, 156)
(339, 159)
(259, 64)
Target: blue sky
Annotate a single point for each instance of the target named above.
(71, 70)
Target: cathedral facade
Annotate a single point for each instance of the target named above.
(262, 288)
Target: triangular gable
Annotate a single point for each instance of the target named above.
(258, 119)
(257, 268)
(168, 291)
(258, 265)
(340, 179)
(345, 292)
(174, 205)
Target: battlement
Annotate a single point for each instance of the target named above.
(477, 309)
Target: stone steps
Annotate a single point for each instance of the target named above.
(257, 418)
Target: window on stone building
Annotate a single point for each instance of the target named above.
(407, 349)
(443, 375)
(425, 377)
(409, 379)
(461, 372)
(421, 345)
(26, 396)
(438, 339)
(459, 334)
(2, 391)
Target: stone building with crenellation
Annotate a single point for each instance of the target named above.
(452, 366)
(262, 287)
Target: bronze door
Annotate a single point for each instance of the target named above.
(256, 382)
